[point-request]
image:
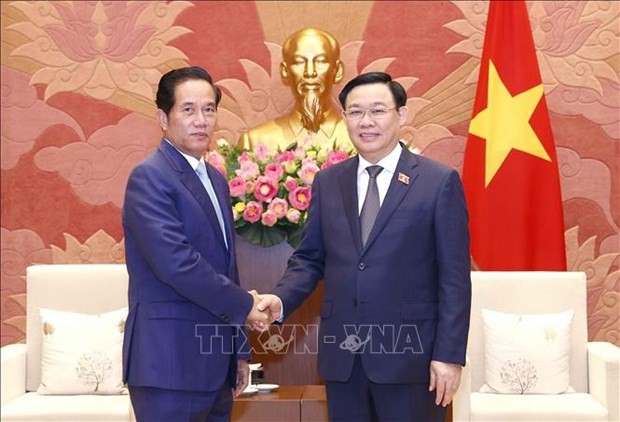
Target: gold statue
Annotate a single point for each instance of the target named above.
(311, 66)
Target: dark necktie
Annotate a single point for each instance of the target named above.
(201, 170)
(371, 206)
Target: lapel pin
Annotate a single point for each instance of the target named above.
(403, 178)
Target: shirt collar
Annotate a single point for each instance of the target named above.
(327, 127)
(389, 162)
(193, 161)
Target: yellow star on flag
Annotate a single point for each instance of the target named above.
(504, 124)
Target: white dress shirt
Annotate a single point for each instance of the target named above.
(194, 162)
(389, 163)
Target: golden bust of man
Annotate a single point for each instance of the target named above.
(310, 67)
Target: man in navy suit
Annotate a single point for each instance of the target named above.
(387, 231)
(184, 353)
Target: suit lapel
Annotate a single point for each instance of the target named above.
(223, 198)
(190, 180)
(407, 165)
(348, 190)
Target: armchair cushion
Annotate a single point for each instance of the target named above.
(13, 372)
(39, 408)
(532, 407)
(81, 354)
(527, 353)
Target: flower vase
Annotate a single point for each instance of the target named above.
(288, 352)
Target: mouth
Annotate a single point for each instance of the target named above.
(311, 86)
(200, 135)
(368, 136)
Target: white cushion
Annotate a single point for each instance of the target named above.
(527, 353)
(81, 354)
(516, 407)
(38, 408)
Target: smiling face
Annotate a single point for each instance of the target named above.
(191, 121)
(375, 137)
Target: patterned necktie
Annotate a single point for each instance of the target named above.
(201, 170)
(371, 206)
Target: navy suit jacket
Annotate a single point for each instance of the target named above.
(402, 300)
(185, 303)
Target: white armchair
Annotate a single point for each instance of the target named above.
(594, 366)
(88, 289)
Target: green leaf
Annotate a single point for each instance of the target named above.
(260, 235)
(291, 147)
(294, 235)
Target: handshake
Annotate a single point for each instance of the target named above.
(266, 309)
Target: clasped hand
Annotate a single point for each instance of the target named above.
(266, 309)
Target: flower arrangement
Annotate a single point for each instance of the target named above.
(271, 192)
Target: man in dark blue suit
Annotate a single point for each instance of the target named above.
(387, 231)
(185, 353)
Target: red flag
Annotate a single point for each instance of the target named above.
(510, 170)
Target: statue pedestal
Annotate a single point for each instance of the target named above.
(288, 352)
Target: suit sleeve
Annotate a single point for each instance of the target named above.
(305, 267)
(453, 257)
(151, 218)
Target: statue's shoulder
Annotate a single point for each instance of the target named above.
(269, 128)
(272, 133)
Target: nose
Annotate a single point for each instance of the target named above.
(201, 120)
(366, 120)
(309, 69)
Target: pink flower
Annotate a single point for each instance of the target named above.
(293, 215)
(326, 165)
(266, 189)
(308, 160)
(218, 161)
(290, 183)
(300, 153)
(261, 152)
(285, 156)
(334, 157)
(269, 218)
(279, 207)
(308, 171)
(215, 158)
(337, 156)
(300, 197)
(248, 170)
(249, 186)
(243, 157)
(274, 171)
(237, 187)
(252, 212)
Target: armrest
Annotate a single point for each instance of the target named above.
(604, 376)
(13, 375)
(461, 405)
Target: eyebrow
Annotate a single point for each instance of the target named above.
(300, 56)
(376, 103)
(191, 103)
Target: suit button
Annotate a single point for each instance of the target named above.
(225, 318)
(361, 266)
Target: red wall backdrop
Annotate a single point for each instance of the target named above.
(78, 82)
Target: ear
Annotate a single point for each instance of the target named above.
(339, 74)
(284, 73)
(402, 115)
(162, 118)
